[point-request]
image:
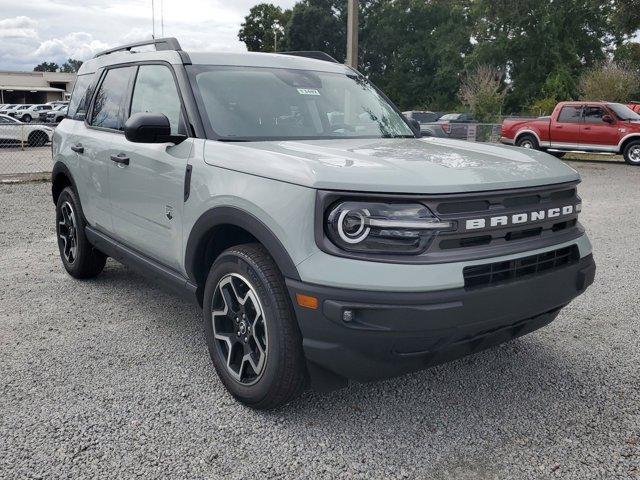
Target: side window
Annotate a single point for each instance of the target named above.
(109, 104)
(79, 100)
(570, 115)
(155, 92)
(593, 115)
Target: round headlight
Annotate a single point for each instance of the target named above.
(352, 225)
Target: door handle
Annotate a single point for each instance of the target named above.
(120, 158)
(78, 148)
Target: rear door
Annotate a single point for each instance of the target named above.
(148, 193)
(565, 130)
(595, 133)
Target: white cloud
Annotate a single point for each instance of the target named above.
(18, 27)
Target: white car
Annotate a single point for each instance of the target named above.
(30, 112)
(10, 107)
(13, 131)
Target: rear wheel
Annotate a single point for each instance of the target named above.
(78, 256)
(251, 331)
(27, 118)
(632, 153)
(528, 141)
(37, 138)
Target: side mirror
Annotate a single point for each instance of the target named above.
(150, 128)
(607, 119)
(414, 124)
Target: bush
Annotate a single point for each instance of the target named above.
(482, 92)
(543, 106)
(613, 82)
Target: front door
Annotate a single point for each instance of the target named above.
(147, 194)
(595, 133)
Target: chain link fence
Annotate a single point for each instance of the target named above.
(25, 148)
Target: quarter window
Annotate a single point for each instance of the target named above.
(79, 101)
(570, 115)
(109, 104)
(155, 92)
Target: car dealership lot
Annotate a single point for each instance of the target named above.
(111, 378)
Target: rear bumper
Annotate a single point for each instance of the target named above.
(392, 333)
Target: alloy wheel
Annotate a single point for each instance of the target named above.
(68, 232)
(239, 328)
(634, 154)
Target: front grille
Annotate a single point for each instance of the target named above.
(500, 272)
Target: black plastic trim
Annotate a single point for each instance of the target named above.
(140, 262)
(187, 182)
(234, 216)
(58, 168)
(391, 333)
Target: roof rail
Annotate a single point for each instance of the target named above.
(318, 55)
(169, 43)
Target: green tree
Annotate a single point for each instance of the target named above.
(414, 50)
(261, 25)
(543, 45)
(627, 15)
(71, 66)
(318, 25)
(47, 67)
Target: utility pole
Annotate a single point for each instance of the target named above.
(352, 34)
(153, 19)
(162, 18)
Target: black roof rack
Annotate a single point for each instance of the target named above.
(312, 54)
(169, 43)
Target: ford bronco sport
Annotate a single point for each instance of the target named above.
(323, 239)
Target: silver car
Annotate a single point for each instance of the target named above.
(324, 241)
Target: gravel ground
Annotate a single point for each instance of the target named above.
(111, 379)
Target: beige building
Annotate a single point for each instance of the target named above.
(35, 87)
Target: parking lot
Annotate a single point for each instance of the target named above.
(110, 378)
(18, 162)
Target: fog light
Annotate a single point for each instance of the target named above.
(348, 316)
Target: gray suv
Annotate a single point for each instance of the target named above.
(324, 240)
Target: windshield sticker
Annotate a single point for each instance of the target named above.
(308, 91)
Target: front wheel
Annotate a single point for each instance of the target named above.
(632, 153)
(27, 118)
(251, 331)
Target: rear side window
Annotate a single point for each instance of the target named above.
(593, 114)
(79, 97)
(155, 92)
(570, 114)
(109, 104)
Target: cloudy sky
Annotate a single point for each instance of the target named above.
(33, 31)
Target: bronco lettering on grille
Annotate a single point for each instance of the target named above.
(522, 218)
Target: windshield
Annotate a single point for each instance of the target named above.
(254, 103)
(623, 112)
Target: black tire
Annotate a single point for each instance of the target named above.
(38, 138)
(632, 153)
(281, 375)
(85, 261)
(528, 141)
(27, 118)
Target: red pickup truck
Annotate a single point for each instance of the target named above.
(599, 127)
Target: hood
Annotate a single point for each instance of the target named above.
(411, 165)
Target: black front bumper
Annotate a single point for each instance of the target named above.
(392, 333)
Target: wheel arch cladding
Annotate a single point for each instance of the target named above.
(60, 179)
(232, 226)
(628, 140)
